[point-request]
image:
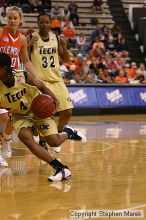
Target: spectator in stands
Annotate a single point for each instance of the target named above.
(85, 66)
(56, 25)
(56, 11)
(74, 17)
(141, 74)
(93, 67)
(76, 79)
(110, 44)
(65, 13)
(141, 70)
(96, 51)
(5, 5)
(80, 41)
(144, 4)
(63, 69)
(96, 32)
(66, 21)
(36, 5)
(116, 32)
(90, 79)
(72, 65)
(3, 19)
(118, 60)
(79, 63)
(121, 46)
(99, 44)
(93, 74)
(26, 8)
(121, 76)
(141, 79)
(132, 72)
(47, 4)
(97, 4)
(104, 76)
(111, 65)
(1, 8)
(126, 68)
(101, 63)
(69, 34)
(105, 30)
(8, 7)
(24, 5)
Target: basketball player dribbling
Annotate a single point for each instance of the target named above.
(17, 92)
(13, 43)
(45, 49)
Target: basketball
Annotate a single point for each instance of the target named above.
(43, 106)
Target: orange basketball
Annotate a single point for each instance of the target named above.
(43, 106)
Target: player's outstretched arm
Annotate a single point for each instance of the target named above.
(25, 58)
(34, 81)
(30, 42)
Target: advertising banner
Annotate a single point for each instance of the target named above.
(108, 96)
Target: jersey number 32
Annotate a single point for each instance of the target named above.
(48, 63)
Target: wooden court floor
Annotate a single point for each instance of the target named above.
(108, 173)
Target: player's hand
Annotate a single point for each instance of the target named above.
(57, 106)
(62, 43)
(34, 39)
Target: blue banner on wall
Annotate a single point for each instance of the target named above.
(84, 96)
(114, 97)
(139, 96)
(108, 96)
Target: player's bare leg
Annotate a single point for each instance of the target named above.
(64, 117)
(62, 171)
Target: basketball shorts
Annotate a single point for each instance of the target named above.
(44, 127)
(60, 91)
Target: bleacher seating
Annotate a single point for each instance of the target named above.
(85, 12)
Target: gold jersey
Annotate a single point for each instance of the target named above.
(44, 56)
(17, 99)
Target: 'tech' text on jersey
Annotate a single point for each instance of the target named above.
(18, 98)
(44, 56)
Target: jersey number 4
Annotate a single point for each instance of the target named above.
(46, 63)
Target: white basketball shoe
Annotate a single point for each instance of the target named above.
(63, 174)
(75, 135)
